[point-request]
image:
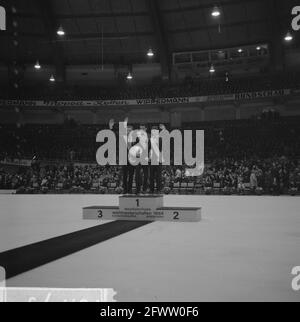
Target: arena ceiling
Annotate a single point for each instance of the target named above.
(122, 31)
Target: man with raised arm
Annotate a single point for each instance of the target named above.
(127, 170)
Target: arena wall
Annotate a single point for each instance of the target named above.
(171, 114)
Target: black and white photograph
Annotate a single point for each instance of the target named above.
(149, 153)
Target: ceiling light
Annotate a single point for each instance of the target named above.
(212, 69)
(150, 53)
(129, 76)
(258, 48)
(60, 31)
(240, 50)
(216, 12)
(288, 37)
(37, 65)
(52, 79)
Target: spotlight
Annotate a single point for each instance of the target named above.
(129, 76)
(37, 65)
(150, 53)
(216, 12)
(226, 77)
(288, 37)
(52, 79)
(61, 31)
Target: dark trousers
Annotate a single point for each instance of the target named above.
(141, 177)
(155, 178)
(128, 173)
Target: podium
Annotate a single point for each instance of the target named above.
(142, 208)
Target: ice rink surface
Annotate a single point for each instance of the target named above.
(244, 249)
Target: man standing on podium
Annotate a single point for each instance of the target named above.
(142, 171)
(151, 143)
(156, 170)
(127, 170)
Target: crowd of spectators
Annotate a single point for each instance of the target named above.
(69, 177)
(272, 176)
(250, 156)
